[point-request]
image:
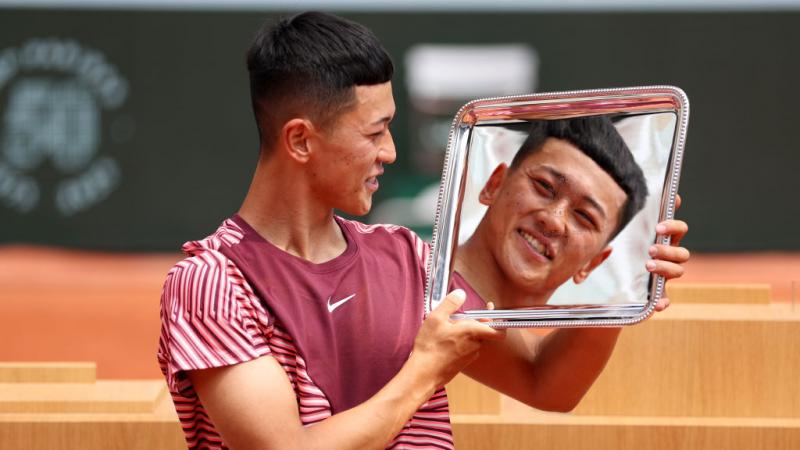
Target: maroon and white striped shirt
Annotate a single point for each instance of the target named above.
(212, 316)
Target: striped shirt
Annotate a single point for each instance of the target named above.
(212, 317)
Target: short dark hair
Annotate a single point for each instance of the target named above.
(310, 64)
(598, 138)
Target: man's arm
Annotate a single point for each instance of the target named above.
(554, 372)
(551, 373)
(253, 406)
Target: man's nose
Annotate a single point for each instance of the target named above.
(553, 219)
(387, 153)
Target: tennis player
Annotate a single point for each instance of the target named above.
(292, 328)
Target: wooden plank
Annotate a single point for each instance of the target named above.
(48, 372)
(613, 433)
(719, 293)
(711, 360)
(88, 435)
(778, 312)
(101, 397)
(156, 429)
(467, 396)
(704, 360)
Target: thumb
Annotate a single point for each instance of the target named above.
(451, 303)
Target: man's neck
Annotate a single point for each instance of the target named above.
(280, 207)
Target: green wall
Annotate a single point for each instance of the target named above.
(184, 143)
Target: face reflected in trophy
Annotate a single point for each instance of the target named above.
(549, 204)
(550, 215)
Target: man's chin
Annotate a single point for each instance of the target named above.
(358, 210)
(533, 277)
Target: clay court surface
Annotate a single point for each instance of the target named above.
(70, 305)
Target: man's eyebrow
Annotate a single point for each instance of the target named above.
(595, 204)
(382, 120)
(562, 179)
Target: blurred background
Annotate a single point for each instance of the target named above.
(129, 128)
(126, 130)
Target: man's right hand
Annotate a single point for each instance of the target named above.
(444, 346)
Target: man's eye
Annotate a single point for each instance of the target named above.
(545, 186)
(586, 218)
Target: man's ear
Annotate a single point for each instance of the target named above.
(294, 139)
(492, 186)
(587, 268)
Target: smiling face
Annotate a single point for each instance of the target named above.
(549, 218)
(349, 154)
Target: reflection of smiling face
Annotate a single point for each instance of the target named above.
(550, 218)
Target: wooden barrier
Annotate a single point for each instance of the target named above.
(688, 361)
(158, 429)
(140, 396)
(566, 431)
(467, 396)
(719, 293)
(47, 372)
(704, 361)
(60, 406)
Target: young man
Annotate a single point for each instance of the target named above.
(571, 187)
(289, 316)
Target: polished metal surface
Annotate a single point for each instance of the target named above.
(548, 106)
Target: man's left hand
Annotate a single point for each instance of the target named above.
(668, 260)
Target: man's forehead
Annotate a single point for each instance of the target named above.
(375, 103)
(575, 169)
(566, 162)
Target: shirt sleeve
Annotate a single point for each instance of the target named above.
(422, 250)
(210, 317)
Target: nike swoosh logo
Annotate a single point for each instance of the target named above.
(333, 306)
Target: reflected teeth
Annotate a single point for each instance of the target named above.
(538, 246)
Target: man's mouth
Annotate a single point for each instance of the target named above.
(537, 245)
(372, 182)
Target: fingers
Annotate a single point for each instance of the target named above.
(676, 229)
(669, 253)
(451, 303)
(486, 332)
(667, 259)
(663, 303)
(489, 307)
(475, 329)
(666, 269)
(677, 201)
